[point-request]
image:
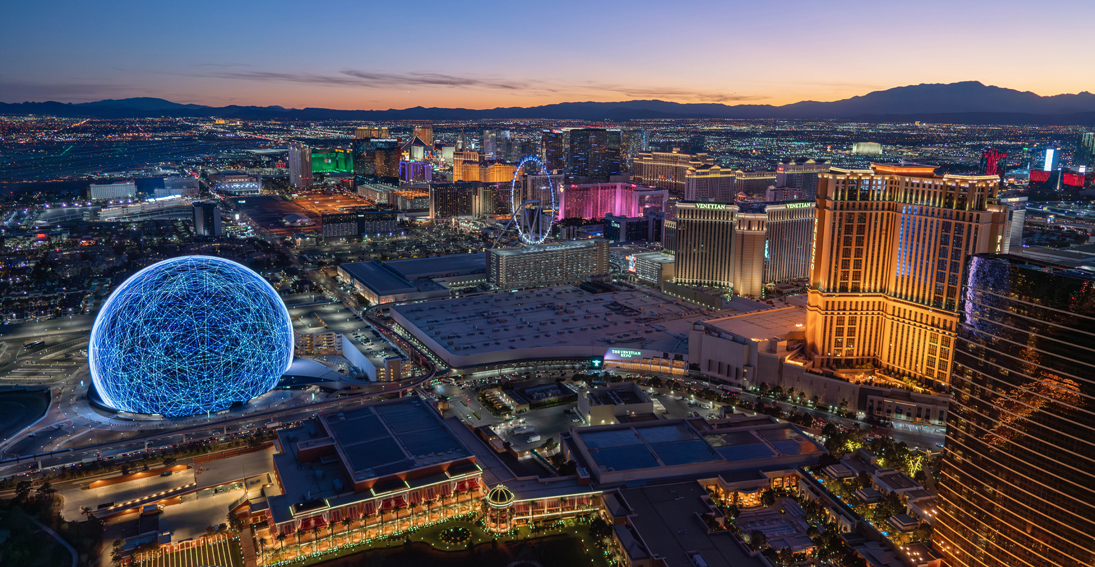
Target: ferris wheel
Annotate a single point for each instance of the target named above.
(532, 197)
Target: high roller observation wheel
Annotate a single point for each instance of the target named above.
(517, 202)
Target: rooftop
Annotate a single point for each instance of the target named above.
(638, 447)
(572, 245)
(563, 316)
(385, 280)
(759, 443)
(439, 266)
(387, 438)
(658, 257)
(649, 445)
(764, 324)
(667, 519)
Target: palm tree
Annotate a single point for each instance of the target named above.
(346, 522)
(315, 539)
(281, 542)
(298, 534)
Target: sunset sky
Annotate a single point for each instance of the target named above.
(371, 54)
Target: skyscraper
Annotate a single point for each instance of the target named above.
(801, 174)
(594, 154)
(424, 133)
(553, 149)
(207, 219)
(595, 200)
(496, 144)
(667, 170)
(1017, 214)
(705, 238)
(300, 166)
(633, 142)
(449, 200)
(1019, 468)
(889, 249)
(707, 182)
(747, 258)
(789, 229)
(366, 132)
(547, 264)
(1085, 150)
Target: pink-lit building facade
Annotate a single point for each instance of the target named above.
(595, 200)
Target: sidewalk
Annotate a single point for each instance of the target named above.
(49, 531)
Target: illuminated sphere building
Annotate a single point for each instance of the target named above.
(189, 335)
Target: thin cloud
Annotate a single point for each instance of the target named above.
(371, 79)
(384, 80)
(678, 94)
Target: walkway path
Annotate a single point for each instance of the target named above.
(49, 531)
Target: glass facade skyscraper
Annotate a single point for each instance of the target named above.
(1018, 474)
(594, 153)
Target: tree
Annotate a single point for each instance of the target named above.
(315, 539)
(346, 522)
(890, 505)
(600, 530)
(764, 389)
(863, 479)
(812, 532)
(281, 541)
(767, 497)
(45, 492)
(299, 533)
(757, 540)
(656, 382)
(816, 400)
(733, 510)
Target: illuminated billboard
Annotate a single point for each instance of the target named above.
(1039, 176)
(333, 160)
(1049, 160)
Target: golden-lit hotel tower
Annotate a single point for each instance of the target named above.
(890, 244)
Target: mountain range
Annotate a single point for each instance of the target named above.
(956, 103)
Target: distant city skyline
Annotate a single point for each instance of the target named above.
(381, 56)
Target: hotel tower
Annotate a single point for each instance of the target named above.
(1016, 484)
(889, 250)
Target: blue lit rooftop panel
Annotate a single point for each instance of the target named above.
(611, 438)
(746, 452)
(625, 458)
(685, 452)
(668, 433)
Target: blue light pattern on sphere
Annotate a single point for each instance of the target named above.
(189, 335)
